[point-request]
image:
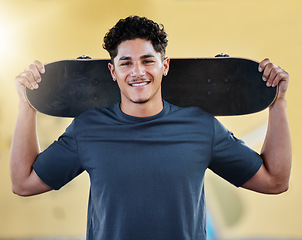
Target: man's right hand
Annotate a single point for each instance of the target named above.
(29, 78)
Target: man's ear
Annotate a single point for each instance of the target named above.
(166, 65)
(112, 71)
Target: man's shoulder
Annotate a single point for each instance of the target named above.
(191, 112)
(88, 114)
(94, 115)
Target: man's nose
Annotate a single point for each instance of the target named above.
(138, 70)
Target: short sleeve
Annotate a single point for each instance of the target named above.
(59, 163)
(231, 158)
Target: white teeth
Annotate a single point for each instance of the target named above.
(139, 84)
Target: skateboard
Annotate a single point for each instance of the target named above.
(222, 86)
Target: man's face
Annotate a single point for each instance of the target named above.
(138, 70)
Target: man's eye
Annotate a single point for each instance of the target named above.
(125, 63)
(148, 61)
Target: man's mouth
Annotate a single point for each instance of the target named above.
(139, 84)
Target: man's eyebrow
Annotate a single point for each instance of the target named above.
(147, 56)
(124, 58)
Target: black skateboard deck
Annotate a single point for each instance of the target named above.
(221, 86)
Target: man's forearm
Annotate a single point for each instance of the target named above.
(277, 149)
(24, 146)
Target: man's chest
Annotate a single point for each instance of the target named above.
(149, 153)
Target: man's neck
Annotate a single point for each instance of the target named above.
(147, 109)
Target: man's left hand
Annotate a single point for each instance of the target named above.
(274, 76)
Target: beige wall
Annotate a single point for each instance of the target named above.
(51, 30)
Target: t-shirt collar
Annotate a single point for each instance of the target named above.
(133, 119)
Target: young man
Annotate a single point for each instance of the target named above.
(146, 158)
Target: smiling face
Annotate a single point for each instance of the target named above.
(138, 70)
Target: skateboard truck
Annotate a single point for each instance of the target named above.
(222, 55)
(84, 57)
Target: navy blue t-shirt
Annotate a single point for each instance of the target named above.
(147, 174)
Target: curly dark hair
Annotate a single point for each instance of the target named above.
(134, 27)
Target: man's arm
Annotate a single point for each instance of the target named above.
(25, 146)
(273, 175)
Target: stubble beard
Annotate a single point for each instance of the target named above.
(146, 99)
